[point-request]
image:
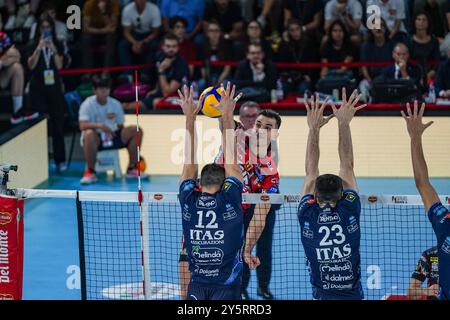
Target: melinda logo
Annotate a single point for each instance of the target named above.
(5, 218)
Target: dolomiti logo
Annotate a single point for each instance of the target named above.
(5, 218)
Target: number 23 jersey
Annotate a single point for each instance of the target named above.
(331, 240)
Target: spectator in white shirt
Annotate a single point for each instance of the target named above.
(349, 12)
(394, 13)
(141, 22)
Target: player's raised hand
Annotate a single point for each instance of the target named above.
(228, 100)
(252, 261)
(314, 110)
(414, 119)
(348, 107)
(190, 109)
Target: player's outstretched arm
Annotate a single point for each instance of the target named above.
(190, 110)
(316, 120)
(226, 107)
(345, 115)
(415, 129)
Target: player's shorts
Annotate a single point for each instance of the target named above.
(198, 291)
(117, 141)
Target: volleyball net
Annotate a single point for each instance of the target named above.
(128, 252)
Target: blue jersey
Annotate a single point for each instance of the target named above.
(331, 239)
(213, 229)
(440, 220)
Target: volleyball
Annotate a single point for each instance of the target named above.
(211, 96)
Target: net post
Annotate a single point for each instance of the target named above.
(81, 248)
(145, 244)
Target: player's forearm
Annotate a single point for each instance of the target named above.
(418, 160)
(312, 153)
(416, 292)
(164, 84)
(190, 140)
(345, 146)
(256, 226)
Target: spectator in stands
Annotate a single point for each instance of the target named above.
(191, 10)
(256, 76)
(423, 46)
(102, 127)
(297, 50)
(21, 13)
(349, 12)
(338, 48)
(254, 34)
(100, 20)
(402, 68)
(172, 71)
(228, 14)
(45, 59)
(377, 48)
(215, 48)
(426, 270)
(267, 13)
(60, 27)
(12, 75)
(393, 12)
(447, 14)
(308, 13)
(436, 10)
(188, 49)
(141, 22)
(443, 78)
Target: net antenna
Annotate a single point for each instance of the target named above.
(143, 208)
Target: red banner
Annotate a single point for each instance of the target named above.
(11, 248)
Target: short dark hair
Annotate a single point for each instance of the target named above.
(328, 187)
(269, 113)
(174, 20)
(171, 36)
(101, 81)
(421, 13)
(212, 175)
(254, 44)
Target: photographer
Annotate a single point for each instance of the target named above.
(45, 59)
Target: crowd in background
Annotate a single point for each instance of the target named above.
(170, 35)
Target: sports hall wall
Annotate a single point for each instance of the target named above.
(381, 145)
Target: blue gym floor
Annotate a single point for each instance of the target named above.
(51, 235)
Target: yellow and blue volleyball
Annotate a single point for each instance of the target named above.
(211, 96)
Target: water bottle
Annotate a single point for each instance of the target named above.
(280, 93)
(110, 122)
(431, 93)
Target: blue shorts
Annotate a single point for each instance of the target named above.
(198, 291)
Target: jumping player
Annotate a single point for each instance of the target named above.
(213, 226)
(329, 210)
(439, 215)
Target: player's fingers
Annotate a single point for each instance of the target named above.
(408, 108)
(404, 115)
(227, 92)
(415, 108)
(317, 101)
(361, 107)
(233, 92)
(180, 94)
(356, 100)
(422, 109)
(333, 107)
(351, 100)
(325, 103)
(428, 124)
(344, 96)
(306, 103)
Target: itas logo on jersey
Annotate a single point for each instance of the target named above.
(206, 202)
(207, 256)
(327, 217)
(446, 246)
(307, 232)
(353, 227)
